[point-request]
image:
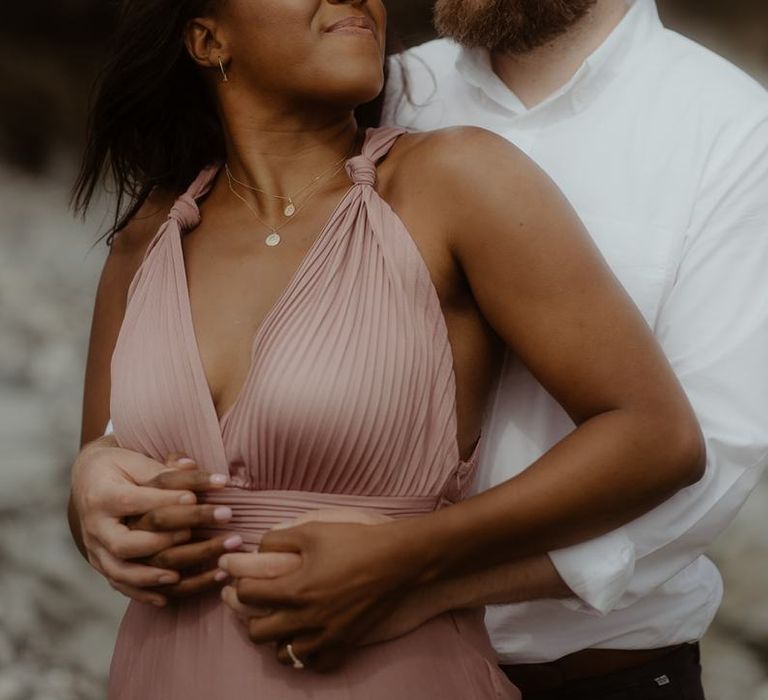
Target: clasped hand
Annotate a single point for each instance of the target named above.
(325, 585)
(321, 584)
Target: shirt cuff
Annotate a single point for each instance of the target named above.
(597, 571)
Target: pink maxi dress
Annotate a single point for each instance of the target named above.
(349, 402)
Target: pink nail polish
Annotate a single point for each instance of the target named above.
(222, 513)
(187, 499)
(186, 460)
(233, 542)
(167, 578)
(220, 575)
(219, 479)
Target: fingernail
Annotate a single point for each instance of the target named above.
(167, 578)
(159, 602)
(222, 563)
(187, 499)
(222, 513)
(180, 537)
(220, 575)
(185, 460)
(219, 479)
(233, 542)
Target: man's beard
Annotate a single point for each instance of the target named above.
(510, 26)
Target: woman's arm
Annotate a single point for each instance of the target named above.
(123, 260)
(121, 264)
(105, 478)
(540, 282)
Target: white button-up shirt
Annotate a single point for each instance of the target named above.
(662, 148)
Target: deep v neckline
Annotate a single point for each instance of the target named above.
(257, 337)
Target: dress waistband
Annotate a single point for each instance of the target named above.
(256, 512)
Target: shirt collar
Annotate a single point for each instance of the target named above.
(635, 28)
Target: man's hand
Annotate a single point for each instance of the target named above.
(109, 485)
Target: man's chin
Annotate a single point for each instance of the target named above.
(509, 26)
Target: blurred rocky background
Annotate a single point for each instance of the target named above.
(58, 618)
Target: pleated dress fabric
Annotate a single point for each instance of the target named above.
(349, 402)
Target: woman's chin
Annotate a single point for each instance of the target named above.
(355, 92)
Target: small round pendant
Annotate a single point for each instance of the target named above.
(272, 239)
(290, 210)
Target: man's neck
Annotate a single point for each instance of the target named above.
(535, 75)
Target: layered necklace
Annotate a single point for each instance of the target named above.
(293, 203)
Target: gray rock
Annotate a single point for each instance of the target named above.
(731, 670)
(13, 686)
(742, 556)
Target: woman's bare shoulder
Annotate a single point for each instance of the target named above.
(459, 161)
(130, 243)
(459, 171)
(133, 238)
(468, 148)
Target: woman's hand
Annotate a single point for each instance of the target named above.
(195, 562)
(110, 484)
(534, 578)
(414, 609)
(320, 584)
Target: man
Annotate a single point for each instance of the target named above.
(662, 148)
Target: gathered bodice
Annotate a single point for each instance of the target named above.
(350, 397)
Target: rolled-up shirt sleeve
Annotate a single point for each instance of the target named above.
(713, 326)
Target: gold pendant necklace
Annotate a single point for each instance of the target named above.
(273, 238)
(290, 208)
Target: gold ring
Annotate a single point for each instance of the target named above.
(297, 663)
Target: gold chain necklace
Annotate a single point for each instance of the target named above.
(290, 208)
(273, 237)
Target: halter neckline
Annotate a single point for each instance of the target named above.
(361, 169)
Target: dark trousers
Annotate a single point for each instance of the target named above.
(675, 676)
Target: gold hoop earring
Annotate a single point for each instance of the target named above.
(223, 72)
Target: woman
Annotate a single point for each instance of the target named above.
(318, 316)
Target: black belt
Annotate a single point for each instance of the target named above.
(581, 665)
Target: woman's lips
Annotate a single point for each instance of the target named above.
(352, 30)
(353, 25)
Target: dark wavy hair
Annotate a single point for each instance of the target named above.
(153, 123)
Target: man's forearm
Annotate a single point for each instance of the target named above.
(515, 582)
(534, 578)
